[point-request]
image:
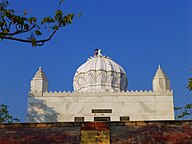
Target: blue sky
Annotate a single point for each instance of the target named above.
(137, 34)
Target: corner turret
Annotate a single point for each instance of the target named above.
(39, 83)
(160, 81)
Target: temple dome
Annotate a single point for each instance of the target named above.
(100, 73)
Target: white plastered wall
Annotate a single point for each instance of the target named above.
(63, 107)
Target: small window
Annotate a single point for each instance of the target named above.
(79, 119)
(124, 118)
(101, 118)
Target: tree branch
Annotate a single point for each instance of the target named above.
(38, 42)
(16, 32)
(12, 25)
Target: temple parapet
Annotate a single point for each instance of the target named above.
(127, 93)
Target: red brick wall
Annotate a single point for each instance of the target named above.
(55, 133)
(177, 132)
(120, 132)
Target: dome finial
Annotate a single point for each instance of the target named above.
(159, 67)
(98, 52)
(39, 67)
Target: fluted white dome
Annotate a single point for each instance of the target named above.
(100, 73)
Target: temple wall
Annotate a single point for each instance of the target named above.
(64, 107)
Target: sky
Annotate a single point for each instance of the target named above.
(137, 34)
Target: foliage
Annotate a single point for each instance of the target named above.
(187, 110)
(176, 111)
(185, 113)
(177, 108)
(5, 117)
(189, 86)
(12, 25)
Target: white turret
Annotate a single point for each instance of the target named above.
(39, 83)
(160, 81)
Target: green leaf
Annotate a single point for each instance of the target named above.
(189, 84)
(25, 13)
(4, 31)
(54, 27)
(79, 15)
(38, 33)
(188, 106)
(58, 15)
(47, 20)
(180, 116)
(58, 12)
(2, 24)
(68, 19)
(44, 20)
(33, 42)
(32, 20)
(24, 19)
(26, 26)
(177, 108)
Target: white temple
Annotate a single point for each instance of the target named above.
(100, 94)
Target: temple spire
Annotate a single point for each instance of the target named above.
(39, 83)
(160, 81)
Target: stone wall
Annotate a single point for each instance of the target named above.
(164, 132)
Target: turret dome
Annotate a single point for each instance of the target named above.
(100, 73)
